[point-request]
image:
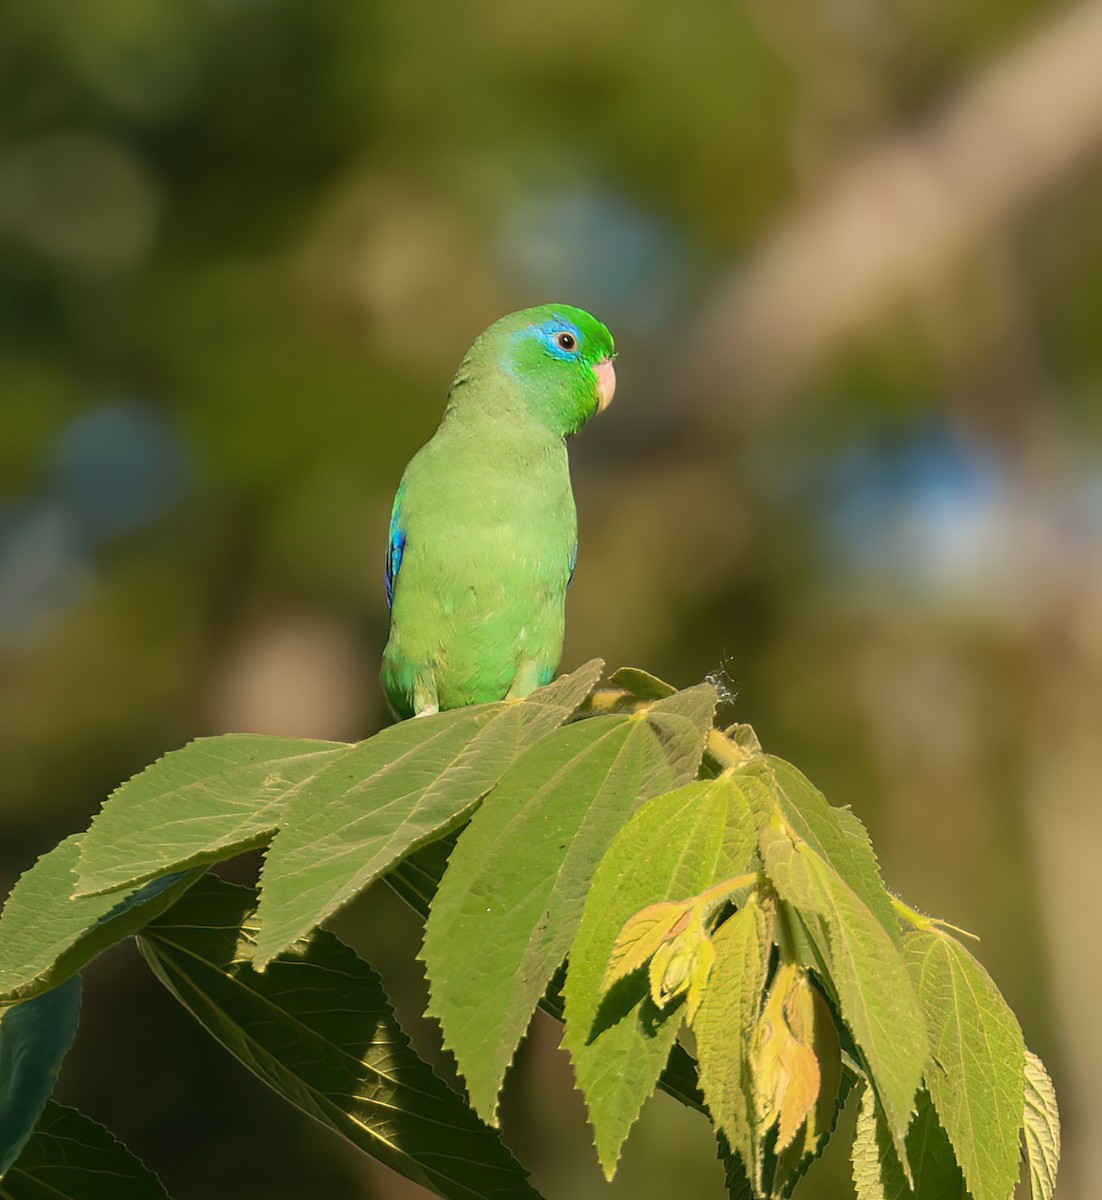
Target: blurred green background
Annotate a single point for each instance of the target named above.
(852, 256)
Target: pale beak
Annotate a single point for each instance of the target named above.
(606, 383)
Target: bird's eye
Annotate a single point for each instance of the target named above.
(566, 341)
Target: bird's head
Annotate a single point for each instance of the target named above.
(561, 358)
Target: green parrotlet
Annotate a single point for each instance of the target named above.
(484, 534)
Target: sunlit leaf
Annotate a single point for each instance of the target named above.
(877, 1173)
(208, 801)
(511, 900)
(70, 1157)
(674, 847)
(354, 820)
(416, 880)
(875, 993)
(641, 683)
(318, 1028)
(1041, 1129)
(46, 936)
(976, 1076)
(837, 836)
(725, 1023)
(34, 1037)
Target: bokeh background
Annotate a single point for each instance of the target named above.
(852, 256)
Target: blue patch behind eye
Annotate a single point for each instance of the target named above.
(551, 329)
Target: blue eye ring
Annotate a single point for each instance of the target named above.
(562, 338)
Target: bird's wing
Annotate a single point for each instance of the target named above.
(573, 563)
(396, 548)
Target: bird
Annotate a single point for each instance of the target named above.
(484, 531)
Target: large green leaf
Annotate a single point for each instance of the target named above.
(354, 820)
(976, 1075)
(673, 848)
(724, 1027)
(511, 900)
(208, 801)
(865, 970)
(1041, 1129)
(317, 1027)
(34, 1037)
(837, 836)
(877, 1173)
(46, 935)
(416, 880)
(70, 1157)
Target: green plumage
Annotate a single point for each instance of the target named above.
(484, 531)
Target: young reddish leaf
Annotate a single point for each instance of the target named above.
(785, 1070)
(641, 936)
(681, 965)
(812, 1023)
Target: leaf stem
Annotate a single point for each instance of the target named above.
(928, 924)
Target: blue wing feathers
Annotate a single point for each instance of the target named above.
(573, 564)
(395, 550)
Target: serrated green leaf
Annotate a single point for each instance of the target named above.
(212, 799)
(353, 821)
(976, 1075)
(679, 1079)
(416, 879)
(674, 847)
(46, 936)
(641, 683)
(877, 1173)
(70, 1157)
(725, 1023)
(865, 970)
(34, 1037)
(735, 1178)
(1041, 1129)
(511, 900)
(318, 1028)
(837, 836)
